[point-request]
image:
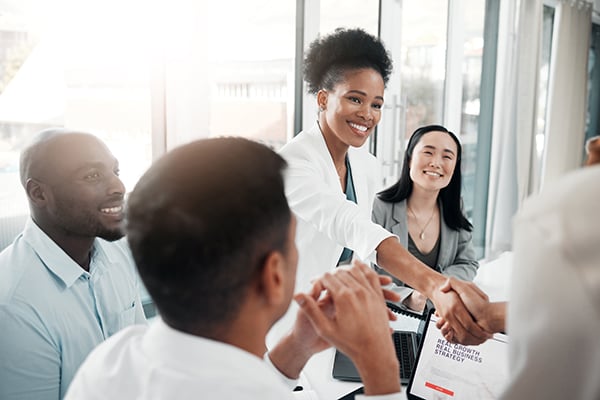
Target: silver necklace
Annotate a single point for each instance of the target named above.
(422, 234)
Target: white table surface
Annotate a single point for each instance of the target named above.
(493, 277)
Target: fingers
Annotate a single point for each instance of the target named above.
(316, 290)
(440, 323)
(449, 336)
(391, 315)
(461, 287)
(445, 329)
(478, 291)
(365, 275)
(385, 280)
(465, 330)
(468, 331)
(317, 318)
(447, 286)
(390, 295)
(465, 310)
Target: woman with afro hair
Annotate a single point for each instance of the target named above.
(331, 180)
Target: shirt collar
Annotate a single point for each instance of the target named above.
(182, 350)
(53, 257)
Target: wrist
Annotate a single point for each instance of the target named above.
(379, 375)
(290, 356)
(433, 282)
(496, 317)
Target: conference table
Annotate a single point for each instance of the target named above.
(317, 383)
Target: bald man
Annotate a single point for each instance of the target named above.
(592, 151)
(67, 282)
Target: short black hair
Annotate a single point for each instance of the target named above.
(450, 196)
(330, 56)
(201, 222)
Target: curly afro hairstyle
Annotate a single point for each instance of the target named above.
(330, 56)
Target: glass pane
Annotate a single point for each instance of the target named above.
(423, 61)
(16, 46)
(349, 14)
(251, 64)
(473, 17)
(62, 67)
(543, 81)
(593, 114)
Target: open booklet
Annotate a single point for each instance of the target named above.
(445, 370)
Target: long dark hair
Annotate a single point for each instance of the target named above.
(449, 196)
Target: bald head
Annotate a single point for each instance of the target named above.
(39, 159)
(72, 183)
(592, 149)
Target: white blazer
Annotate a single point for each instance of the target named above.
(327, 221)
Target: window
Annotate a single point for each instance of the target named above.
(423, 62)
(251, 69)
(207, 69)
(593, 115)
(469, 43)
(537, 156)
(62, 67)
(349, 14)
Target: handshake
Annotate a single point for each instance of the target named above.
(347, 309)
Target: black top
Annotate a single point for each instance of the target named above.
(429, 258)
(346, 256)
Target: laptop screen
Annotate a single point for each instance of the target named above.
(446, 370)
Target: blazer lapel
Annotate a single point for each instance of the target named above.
(324, 156)
(446, 235)
(400, 227)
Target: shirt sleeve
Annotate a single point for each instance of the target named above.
(291, 383)
(30, 362)
(327, 209)
(391, 396)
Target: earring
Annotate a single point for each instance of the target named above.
(321, 108)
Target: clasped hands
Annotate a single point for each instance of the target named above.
(490, 317)
(463, 307)
(346, 309)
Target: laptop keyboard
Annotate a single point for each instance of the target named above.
(403, 342)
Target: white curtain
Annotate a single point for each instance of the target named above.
(515, 110)
(568, 88)
(518, 59)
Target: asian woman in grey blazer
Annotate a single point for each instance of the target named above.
(424, 208)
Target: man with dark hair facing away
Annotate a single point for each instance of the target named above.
(213, 238)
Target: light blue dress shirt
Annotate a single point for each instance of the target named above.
(53, 313)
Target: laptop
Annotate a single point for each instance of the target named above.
(406, 344)
(444, 370)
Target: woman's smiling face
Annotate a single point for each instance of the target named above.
(353, 108)
(433, 161)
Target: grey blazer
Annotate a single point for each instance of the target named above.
(457, 254)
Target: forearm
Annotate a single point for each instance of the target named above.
(289, 356)
(451, 305)
(379, 375)
(495, 319)
(396, 260)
